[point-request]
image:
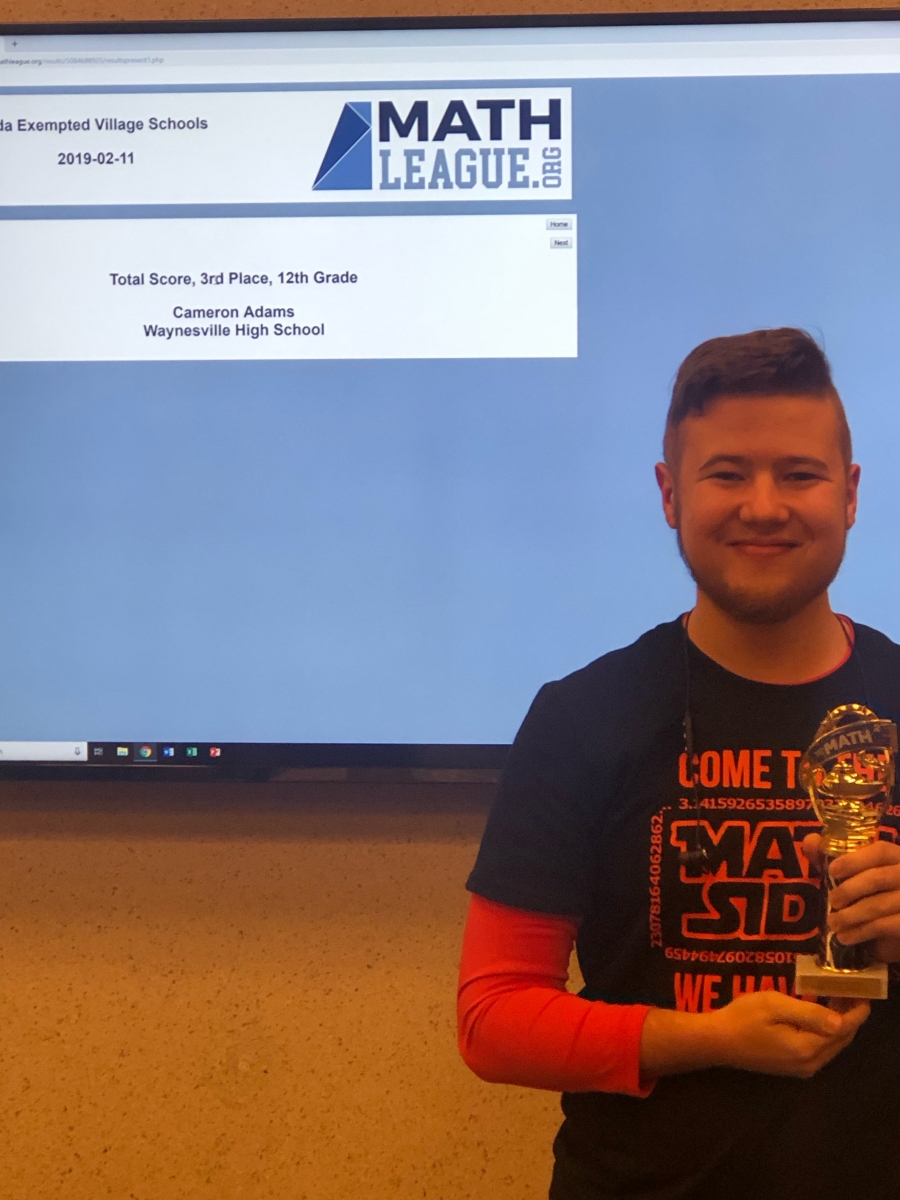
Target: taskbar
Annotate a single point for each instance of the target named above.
(126, 759)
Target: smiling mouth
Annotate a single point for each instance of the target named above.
(763, 549)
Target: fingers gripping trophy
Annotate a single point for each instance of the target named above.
(848, 772)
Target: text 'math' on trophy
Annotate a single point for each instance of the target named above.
(849, 774)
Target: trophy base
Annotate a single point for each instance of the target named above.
(813, 980)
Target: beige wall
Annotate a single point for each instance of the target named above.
(159, 10)
(243, 993)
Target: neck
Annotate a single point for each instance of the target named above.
(809, 644)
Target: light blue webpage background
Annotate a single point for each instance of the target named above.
(404, 551)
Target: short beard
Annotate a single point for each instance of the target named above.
(756, 608)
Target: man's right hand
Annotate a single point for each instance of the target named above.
(762, 1031)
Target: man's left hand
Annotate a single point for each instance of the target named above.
(866, 902)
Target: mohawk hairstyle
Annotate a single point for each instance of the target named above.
(766, 362)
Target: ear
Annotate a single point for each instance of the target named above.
(852, 489)
(666, 484)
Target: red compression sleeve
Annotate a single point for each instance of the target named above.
(518, 1024)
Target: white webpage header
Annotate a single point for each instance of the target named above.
(234, 147)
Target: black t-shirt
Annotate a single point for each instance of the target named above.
(593, 808)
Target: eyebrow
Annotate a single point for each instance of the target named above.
(790, 460)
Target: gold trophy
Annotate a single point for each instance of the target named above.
(849, 774)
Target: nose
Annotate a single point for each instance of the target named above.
(763, 504)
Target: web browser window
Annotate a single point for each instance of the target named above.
(333, 364)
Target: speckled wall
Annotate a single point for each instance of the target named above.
(246, 993)
(243, 993)
(181, 10)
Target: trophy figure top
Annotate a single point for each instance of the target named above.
(848, 772)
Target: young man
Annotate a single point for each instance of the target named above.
(690, 1069)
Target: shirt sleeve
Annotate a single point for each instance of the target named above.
(517, 1023)
(540, 841)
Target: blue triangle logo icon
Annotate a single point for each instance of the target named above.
(347, 165)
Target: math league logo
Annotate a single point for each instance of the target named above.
(488, 145)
